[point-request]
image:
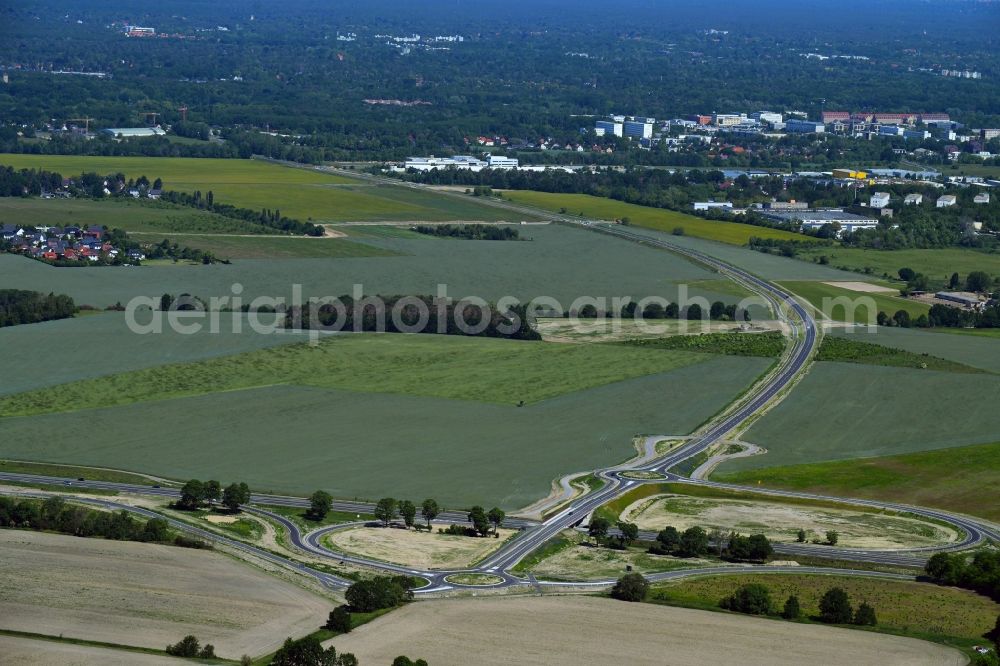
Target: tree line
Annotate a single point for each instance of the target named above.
(469, 231)
(19, 306)
(195, 494)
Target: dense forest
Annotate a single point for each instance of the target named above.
(18, 306)
(341, 84)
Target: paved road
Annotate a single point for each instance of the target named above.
(533, 535)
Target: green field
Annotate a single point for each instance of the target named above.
(269, 247)
(560, 262)
(865, 306)
(923, 479)
(946, 615)
(938, 264)
(443, 366)
(302, 193)
(972, 350)
(856, 350)
(845, 410)
(369, 445)
(644, 216)
(130, 215)
(737, 344)
(34, 356)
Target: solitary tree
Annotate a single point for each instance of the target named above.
(801, 538)
(752, 598)
(598, 529)
(955, 281)
(832, 537)
(628, 532)
(792, 609)
(320, 504)
(480, 523)
(192, 495)
(835, 607)
(186, 647)
(865, 615)
(669, 539)
(630, 587)
(496, 516)
(906, 274)
(408, 511)
(234, 495)
(429, 510)
(977, 281)
(385, 510)
(694, 542)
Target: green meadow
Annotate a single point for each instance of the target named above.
(461, 450)
(928, 478)
(644, 216)
(977, 351)
(303, 193)
(454, 367)
(844, 410)
(937, 264)
(868, 304)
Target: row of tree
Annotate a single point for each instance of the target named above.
(469, 231)
(388, 509)
(981, 572)
(54, 514)
(195, 494)
(834, 606)
(19, 306)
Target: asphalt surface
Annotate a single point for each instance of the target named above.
(533, 534)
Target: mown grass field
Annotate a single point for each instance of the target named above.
(369, 445)
(559, 262)
(121, 214)
(951, 479)
(844, 410)
(922, 610)
(459, 368)
(864, 306)
(936, 264)
(644, 216)
(269, 247)
(55, 352)
(302, 193)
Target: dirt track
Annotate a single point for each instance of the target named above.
(575, 630)
(146, 595)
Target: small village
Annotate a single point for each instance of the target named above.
(62, 245)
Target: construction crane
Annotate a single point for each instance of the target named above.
(83, 120)
(184, 113)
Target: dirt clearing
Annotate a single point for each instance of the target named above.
(866, 287)
(416, 549)
(576, 630)
(781, 522)
(146, 595)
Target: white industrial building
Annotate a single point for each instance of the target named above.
(946, 200)
(639, 128)
(612, 127)
(879, 200)
(464, 162)
(913, 199)
(129, 132)
(706, 205)
(817, 219)
(804, 127)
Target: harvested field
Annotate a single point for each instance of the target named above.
(421, 550)
(573, 630)
(146, 595)
(33, 652)
(866, 287)
(781, 522)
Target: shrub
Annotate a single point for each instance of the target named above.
(835, 607)
(630, 587)
(792, 610)
(339, 620)
(752, 598)
(185, 647)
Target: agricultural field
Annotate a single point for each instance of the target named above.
(923, 479)
(559, 262)
(865, 306)
(236, 248)
(981, 352)
(596, 630)
(130, 215)
(369, 445)
(653, 218)
(146, 595)
(937, 264)
(942, 614)
(35, 356)
(855, 349)
(614, 329)
(420, 550)
(424, 365)
(843, 410)
(781, 522)
(40, 652)
(305, 194)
